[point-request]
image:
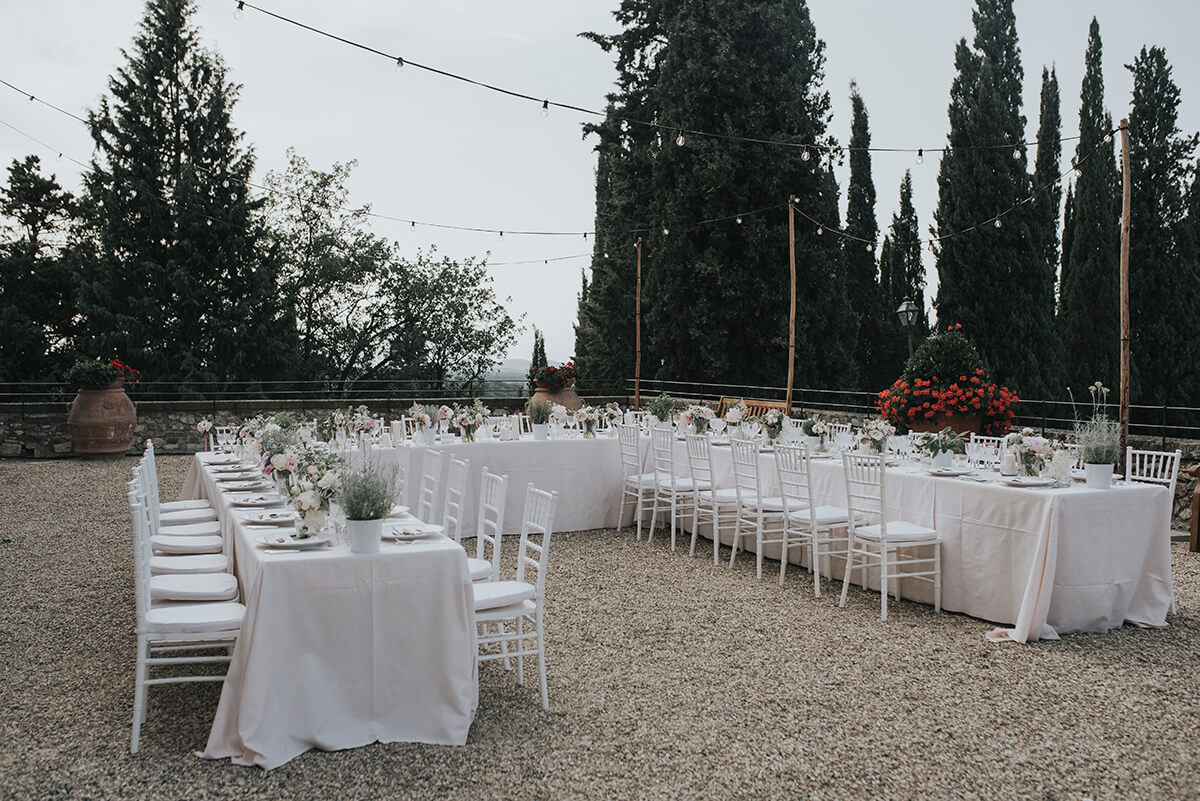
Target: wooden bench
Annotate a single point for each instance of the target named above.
(757, 407)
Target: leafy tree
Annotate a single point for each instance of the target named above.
(37, 303)
(862, 286)
(1089, 320)
(994, 280)
(901, 278)
(1163, 283)
(177, 286)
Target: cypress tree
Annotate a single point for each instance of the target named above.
(1089, 320)
(1068, 236)
(862, 286)
(902, 277)
(992, 279)
(1163, 284)
(1047, 190)
(177, 288)
(539, 349)
(717, 293)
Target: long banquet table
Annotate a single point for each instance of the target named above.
(338, 650)
(1043, 561)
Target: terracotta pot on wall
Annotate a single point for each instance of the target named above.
(102, 420)
(961, 425)
(565, 397)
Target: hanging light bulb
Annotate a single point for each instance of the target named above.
(501, 234)
(666, 231)
(208, 223)
(679, 139)
(805, 156)
(128, 147)
(1017, 153)
(739, 220)
(1078, 172)
(412, 225)
(585, 234)
(1108, 137)
(820, 230)
(132, 193)
(870, 247)
(240, 11)
(920, 155)
(998, 224)
(225, 183)
(606, 254)
(545, 108)
(932, 249)
(399, 64)
(32, 98)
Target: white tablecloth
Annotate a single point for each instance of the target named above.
(339, 650)
(1044, 561)
(586, 474)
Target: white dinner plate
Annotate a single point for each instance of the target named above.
(411, 530)
(951, 471)
(223, 469)
(227, 458)
(398, 510)
(284, 518)
(290, 540)
(239, 475)
(244, 486)
(257, 500)
(1029, 481)
(1080, 475)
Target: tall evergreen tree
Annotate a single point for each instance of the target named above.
(604, 332)
(1068, 236)
(1164, 286)
(716, 293)
(1047, 200)
(862, 286)
(901, 278)
(1089, 320)
(177, 288)
(992, 279)
(539, 349)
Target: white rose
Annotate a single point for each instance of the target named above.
(328, 481)
(279, 461)
(309, 499)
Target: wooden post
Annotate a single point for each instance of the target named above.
(1126, 196)
(637, 364)
(792, 314)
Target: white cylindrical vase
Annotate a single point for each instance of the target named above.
(364, 535)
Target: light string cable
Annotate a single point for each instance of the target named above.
(680, 132)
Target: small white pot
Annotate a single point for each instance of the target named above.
(541, 431)
(944, 460)
(1099, 476)
(364, 535)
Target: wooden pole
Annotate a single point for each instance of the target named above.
(1126, 197)
(637, 364)
(792, 315)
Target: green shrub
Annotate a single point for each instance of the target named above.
(943, 358)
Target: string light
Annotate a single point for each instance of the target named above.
(998, 225)
(1078, 171)
(32, 98)
(240, 11)
(870, 247)
(679, 139)
(399, 64)
(666, 231)
(1107, 138)
(1017, 153)
(739, 220)
(805, 156)
(606, 254)
(820, 230)
(545, 108)
(920, 155)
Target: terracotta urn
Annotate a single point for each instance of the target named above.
(565, 397)
(101, 420)
(959, 424)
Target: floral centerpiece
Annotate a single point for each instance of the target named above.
(559, 416)
(737, 413)
(1030, 449)
(772, 423)
(698, 417)
(587, 417)
(1099, 439)
(205, 426)
(421, 417)
(335, 421)
(660, 409)
(553, 378)
(941, 445)
(611, 413)
(945, 380)
(873, 435)
(468, 419)
(816, 427)
(361, 421)
(311, 485)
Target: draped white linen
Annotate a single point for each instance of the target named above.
(339, 650)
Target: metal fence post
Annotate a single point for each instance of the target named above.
(1164, 427)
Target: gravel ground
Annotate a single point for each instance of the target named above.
(669, 678)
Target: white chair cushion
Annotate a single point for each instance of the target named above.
(492, 594)
(194, 618)
(526, 607)
(481, 569)
(168, 544)
(206, 529)
(194, 587)
(683, 484)
(195, 563)
(826, 515)
(897, 531)
(644, 480)
(185, 516)
(723, 495)
(175, 506)
(771, 504)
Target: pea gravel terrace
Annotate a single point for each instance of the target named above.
(669, 678)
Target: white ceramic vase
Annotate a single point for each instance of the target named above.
(364, 535)
(1098, 476)
(943, 461)
(541, 431)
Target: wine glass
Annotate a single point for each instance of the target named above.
(717, 425)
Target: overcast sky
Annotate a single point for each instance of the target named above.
(440, 151)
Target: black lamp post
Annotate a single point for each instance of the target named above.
(907, 312)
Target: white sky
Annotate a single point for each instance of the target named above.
(437, 150)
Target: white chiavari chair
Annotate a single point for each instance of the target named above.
(214, 585)
(756, 511)
(489, 525)
(713, 505)
(637, 486)
(191, 538)
(173, 512)
(822, 529)
(888, 543)
(501, 603)
(671, 492)
(427, 491)
(984, 452)
(1156, 467)
(174, 634)
(456, 491)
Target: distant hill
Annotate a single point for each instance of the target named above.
(509, 370)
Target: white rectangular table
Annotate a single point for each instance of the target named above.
(1044, 561)
(339, 650)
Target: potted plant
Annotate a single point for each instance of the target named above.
(941, 446)
(539, 418)
(366, 498)
(659, 410)
(1099, 441)
(945, 383)
(102, 417)
(555, 384)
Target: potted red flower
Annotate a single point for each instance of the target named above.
(555, 384)
(102, 417)
(946, 384)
